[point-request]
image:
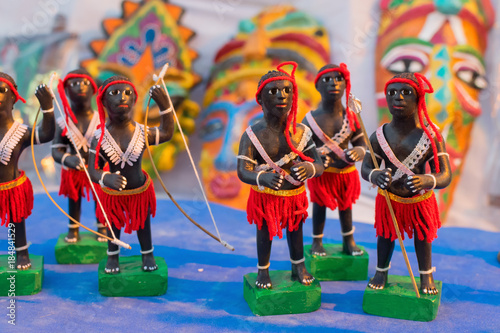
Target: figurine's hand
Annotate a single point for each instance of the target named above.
(416, 183)
(382, 178)
(160, 97)
(303, 170)
(354, 154)
(271, 180)
(73, 162)
(326, 160)
(44, 96)
(115, 181)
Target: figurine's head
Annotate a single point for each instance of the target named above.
(405, 95)
(118, 95)
(331, 82)
(8, 93)
(277, 93)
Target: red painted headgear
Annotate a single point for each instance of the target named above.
(292, 115)
(102, 114)
(14, 90)
(353, 120)
(62, 94)
(419, 85)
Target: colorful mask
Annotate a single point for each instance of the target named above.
(277, 34)
(445, 41)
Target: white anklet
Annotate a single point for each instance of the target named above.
(148, 251)
(383, 269)
(317, 236)
(112, 253)
(265, 266)
(100, 225)
(296, 262)
(430, 271)
(73, 226)
(349, 233)
(22, 248)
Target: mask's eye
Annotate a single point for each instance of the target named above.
(128, 92)
(212, 130)
(114, 92)
(392, 92)
(273, 91)
(326, 79)
(405, 65)
(472, 78)
(3, 90)
(287, 90)
(406, 92)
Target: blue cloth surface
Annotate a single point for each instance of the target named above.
(205, 291)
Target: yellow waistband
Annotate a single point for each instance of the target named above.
(415, 199)
(281, 193)
(138, 190)
(348, 169)
(14, 183)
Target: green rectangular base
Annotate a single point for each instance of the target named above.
(132, 281)
(336, 265)
(398, 300)
(86, 251)
(21, 283)
(285, 297)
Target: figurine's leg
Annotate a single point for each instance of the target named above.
(424, 257)
(75, 209)
(319, 218)
(264, 255)
(144, 236)
(348, 244)
(295, 241)
(113, 263)
(385, 248)
(101, 228)
(22, 256)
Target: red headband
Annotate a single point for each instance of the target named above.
(422, 107)
(292, 115)
(353, 120)
(62, 94)
(14, 90)
(102, 115)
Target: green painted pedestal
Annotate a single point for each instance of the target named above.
(285, 297)
(337, 266)
(398, 300)
(132, 280)
(21, 283)
(86, 251)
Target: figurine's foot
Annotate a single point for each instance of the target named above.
(427, 285)
(350, 248)
(263, 279)
(112, 265)
(104, 231)
(300, 273)
(73, 236)
(317, 248)
(148, 262)
(22, 260)
(378, 281)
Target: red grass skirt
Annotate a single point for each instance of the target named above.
(280, 209)
(418, 214)
(74, 184)
(335, 188)
(127, 208)
(16, 199)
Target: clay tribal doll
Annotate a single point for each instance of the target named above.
(16, 192)
(276, 156)
(82, 120)
(126, 190)
(334, 127)
(406, 145)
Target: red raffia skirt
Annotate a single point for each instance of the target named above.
(336, 188)
(279, 209)
(417, 214)
(127, 208)
(74, 184)
(16, 199)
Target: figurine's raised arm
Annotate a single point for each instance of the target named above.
(44, 132)
(165, 131)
